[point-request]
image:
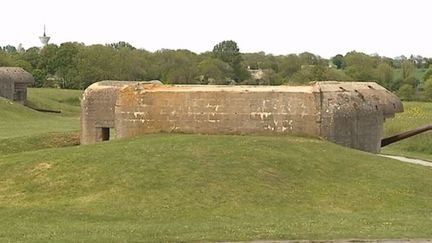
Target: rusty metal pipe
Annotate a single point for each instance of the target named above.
(395, 138)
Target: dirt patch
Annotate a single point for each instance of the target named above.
(42, 166)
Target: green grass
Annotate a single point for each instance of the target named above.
(24, 129)
(17, 121)
(416, 114)
(179, 187)
(38, 141)
(68, 101)
(166, 187)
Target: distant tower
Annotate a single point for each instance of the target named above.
(44, 39)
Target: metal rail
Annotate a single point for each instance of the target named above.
(395, 138)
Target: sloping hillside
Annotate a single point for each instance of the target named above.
(168, 187)
(24, 129)
(17, 120)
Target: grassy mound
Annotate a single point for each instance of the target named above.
(416, 114)
(169, 187)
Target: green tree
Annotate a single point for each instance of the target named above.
(360, 66)
(308, 73)
(5, 59)
(215, 71)
(417, 60)
(94, 63)
(40, 77)
(319, 72)
(270, 77)
(47, 59)
(289, 65)
(411, 80)
(427, 62)
(406, 92)
(408, 69)
(132, 64)
(177, 66)
(385, 74)
(66, 64)
(229, 52)
(396, 84)
(10, 49)
(121, 45)
(260, 60)
(427, 87)
(339, 61)
(307, 58)
(31, 55)
(18, 62)
(335, 75)
(428, 73)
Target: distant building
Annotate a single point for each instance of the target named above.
(256, 74)
(14, 82)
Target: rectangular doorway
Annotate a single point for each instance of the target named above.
(105, 133)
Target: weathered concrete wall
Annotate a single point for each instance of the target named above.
(14, 82)
(7, 89)
(97, 109)
(215, 109)
(351, 114)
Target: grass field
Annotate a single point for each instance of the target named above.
(19, 121)
(416, 114)
(169, 187)
(68, 101)
(23, 129)
(179, 187)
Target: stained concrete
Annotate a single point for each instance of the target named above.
(97, 108)
(348, 113)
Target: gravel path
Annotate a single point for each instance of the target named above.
(408, 160)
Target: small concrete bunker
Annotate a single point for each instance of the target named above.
(348, 113)
(14, 82)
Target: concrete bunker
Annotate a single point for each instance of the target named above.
(348, 113)
(14, 82)
(97, 109)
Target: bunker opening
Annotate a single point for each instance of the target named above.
(105, 133)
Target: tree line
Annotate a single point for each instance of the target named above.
(73, 65)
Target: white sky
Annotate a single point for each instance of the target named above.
(324, 27)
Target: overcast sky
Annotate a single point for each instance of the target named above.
(324, 27)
